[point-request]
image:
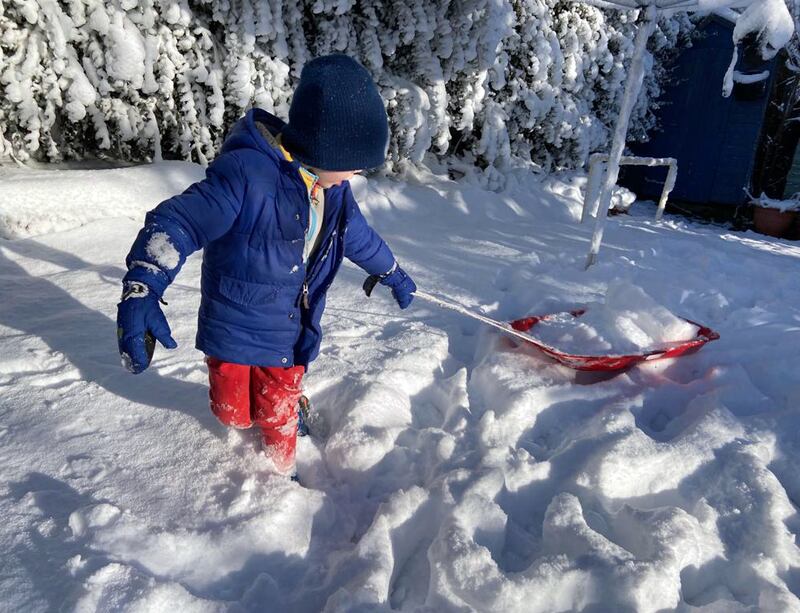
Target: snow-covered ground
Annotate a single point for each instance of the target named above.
(451, 469)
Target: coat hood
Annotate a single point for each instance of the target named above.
(246, 135)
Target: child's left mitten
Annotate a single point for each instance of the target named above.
(402, 286)
(140, 322)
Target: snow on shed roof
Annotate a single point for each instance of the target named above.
(769, 20)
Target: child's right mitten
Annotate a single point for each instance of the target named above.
(139, 323)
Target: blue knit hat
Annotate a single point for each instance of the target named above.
(337, 120)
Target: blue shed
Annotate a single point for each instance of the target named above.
(714, 139)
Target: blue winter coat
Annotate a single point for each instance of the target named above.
(250, 214)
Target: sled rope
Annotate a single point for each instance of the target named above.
(487, 320)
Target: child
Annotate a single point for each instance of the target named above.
(275, 216)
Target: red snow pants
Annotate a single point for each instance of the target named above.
(265, 396)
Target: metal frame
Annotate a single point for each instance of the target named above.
(661, 5)
(649, 11)
(591, 200)
(646, 23)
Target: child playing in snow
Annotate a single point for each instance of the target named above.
(275, 215)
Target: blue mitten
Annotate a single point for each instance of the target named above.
(403, 287)
(140, 323)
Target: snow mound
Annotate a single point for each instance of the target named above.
(627, 321)
(39, 202)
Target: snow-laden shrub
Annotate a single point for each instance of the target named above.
(85, 76)
(498, 82)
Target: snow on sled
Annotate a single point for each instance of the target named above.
(643, 336)
(610, 362)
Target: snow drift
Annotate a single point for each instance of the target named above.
(451, 469)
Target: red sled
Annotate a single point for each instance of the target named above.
(613, 362)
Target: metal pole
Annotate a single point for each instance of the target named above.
(647, 23)
(669, 185)
(590, 200)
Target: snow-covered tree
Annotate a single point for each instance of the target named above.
(779, 147)
(123, 79)
(498, 82)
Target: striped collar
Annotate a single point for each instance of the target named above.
(309, 178)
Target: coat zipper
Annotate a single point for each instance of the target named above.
(317, 263)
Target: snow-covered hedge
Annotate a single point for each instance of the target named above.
(493, 80)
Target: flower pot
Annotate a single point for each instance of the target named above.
(773, 222)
